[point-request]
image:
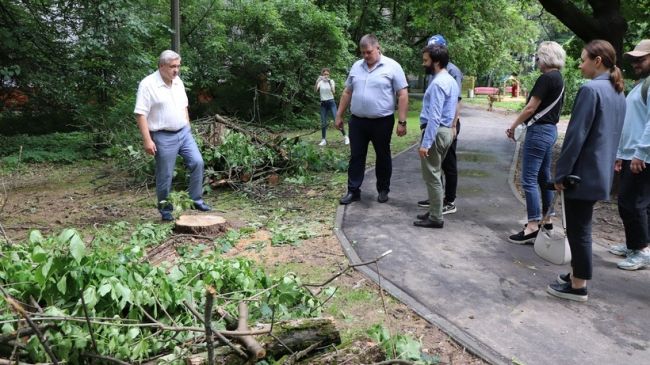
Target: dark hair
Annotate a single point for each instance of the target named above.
(605, 50)
(437, 53)
(325, 69)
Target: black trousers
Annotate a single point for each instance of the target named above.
(578, 231)
(450, 169)
(634, 206)
(362, 132)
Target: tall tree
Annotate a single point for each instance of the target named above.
(604, 21)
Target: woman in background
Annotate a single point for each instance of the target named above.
(327, 90)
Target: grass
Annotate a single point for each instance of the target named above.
(506, 103)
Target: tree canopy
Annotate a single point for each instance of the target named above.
(79, 62)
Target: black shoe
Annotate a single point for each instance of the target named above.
(565, 291)
(428, 223)
(547, 226)
(167, 216)
(563, 279)
(423, 216)
(349, 198)
(522, 239)
(202, 207)
(383, 196)
(423, 203)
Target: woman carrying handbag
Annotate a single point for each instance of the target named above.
(541, 115)
(589, 151)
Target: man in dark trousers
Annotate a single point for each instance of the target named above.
(371, 89)
(631, 158)
(449, 164)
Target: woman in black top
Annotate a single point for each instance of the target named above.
(543, 111)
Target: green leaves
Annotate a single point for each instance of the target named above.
(59, 270)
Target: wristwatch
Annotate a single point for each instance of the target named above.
(402, 123)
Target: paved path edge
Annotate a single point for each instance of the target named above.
(472, 344)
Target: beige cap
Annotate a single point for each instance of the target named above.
(641, 49)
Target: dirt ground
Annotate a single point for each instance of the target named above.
(52, 198)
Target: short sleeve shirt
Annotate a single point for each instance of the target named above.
(164, 107)
(548, 88)
(373, 92)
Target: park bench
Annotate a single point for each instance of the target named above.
(486, 90)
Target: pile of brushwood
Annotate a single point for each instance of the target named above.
(67, 301)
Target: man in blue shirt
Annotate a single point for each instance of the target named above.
(631, 158)
(436, 119)
(450, 162)
(371, 89)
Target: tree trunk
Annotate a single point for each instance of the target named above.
(200, 224)
(606, 22)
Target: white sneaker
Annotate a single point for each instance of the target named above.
(346, 140)
(323, 143)
(636, 260)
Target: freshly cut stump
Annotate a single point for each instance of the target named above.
(200, 224)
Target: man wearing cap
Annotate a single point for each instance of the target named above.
(371, 89)
(438, 114)
(161, 114)
(449, 164)
(631, 158)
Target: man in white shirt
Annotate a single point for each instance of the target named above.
(164, 122)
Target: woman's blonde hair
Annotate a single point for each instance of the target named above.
(550, 54)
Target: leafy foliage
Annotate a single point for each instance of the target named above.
(119, 287)
(55, 147)
(401, 346)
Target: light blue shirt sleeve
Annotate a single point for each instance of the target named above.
(438, 107)
(635, 136)
(431, 113)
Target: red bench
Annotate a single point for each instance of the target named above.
(486, 90)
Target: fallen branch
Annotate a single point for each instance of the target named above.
(19, 309)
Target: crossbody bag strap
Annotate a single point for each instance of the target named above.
(539, 115)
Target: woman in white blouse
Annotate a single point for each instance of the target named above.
(327, 90)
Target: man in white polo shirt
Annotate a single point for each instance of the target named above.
(161, 114)
(374, 85)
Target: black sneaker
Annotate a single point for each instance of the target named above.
(547, 226)
(449, 208)
(423, 203)
(564, 279)
(522, 239)
(565, 291)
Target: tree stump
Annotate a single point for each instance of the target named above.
(204, 224)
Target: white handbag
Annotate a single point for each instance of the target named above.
(554, 246)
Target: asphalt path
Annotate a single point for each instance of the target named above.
(485, 292)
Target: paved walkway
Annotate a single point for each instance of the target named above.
(470, 281)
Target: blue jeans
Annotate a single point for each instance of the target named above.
(168, 146)
(536, 168)
(327, 107)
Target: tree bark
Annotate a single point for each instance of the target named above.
(606, 22)
(297, 335)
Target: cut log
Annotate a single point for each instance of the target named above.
(297, 334)
(204, 224)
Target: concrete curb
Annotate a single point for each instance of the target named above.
(472, 344)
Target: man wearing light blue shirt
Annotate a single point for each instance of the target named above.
(438, 113)
(373, 86)
(631, 158)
